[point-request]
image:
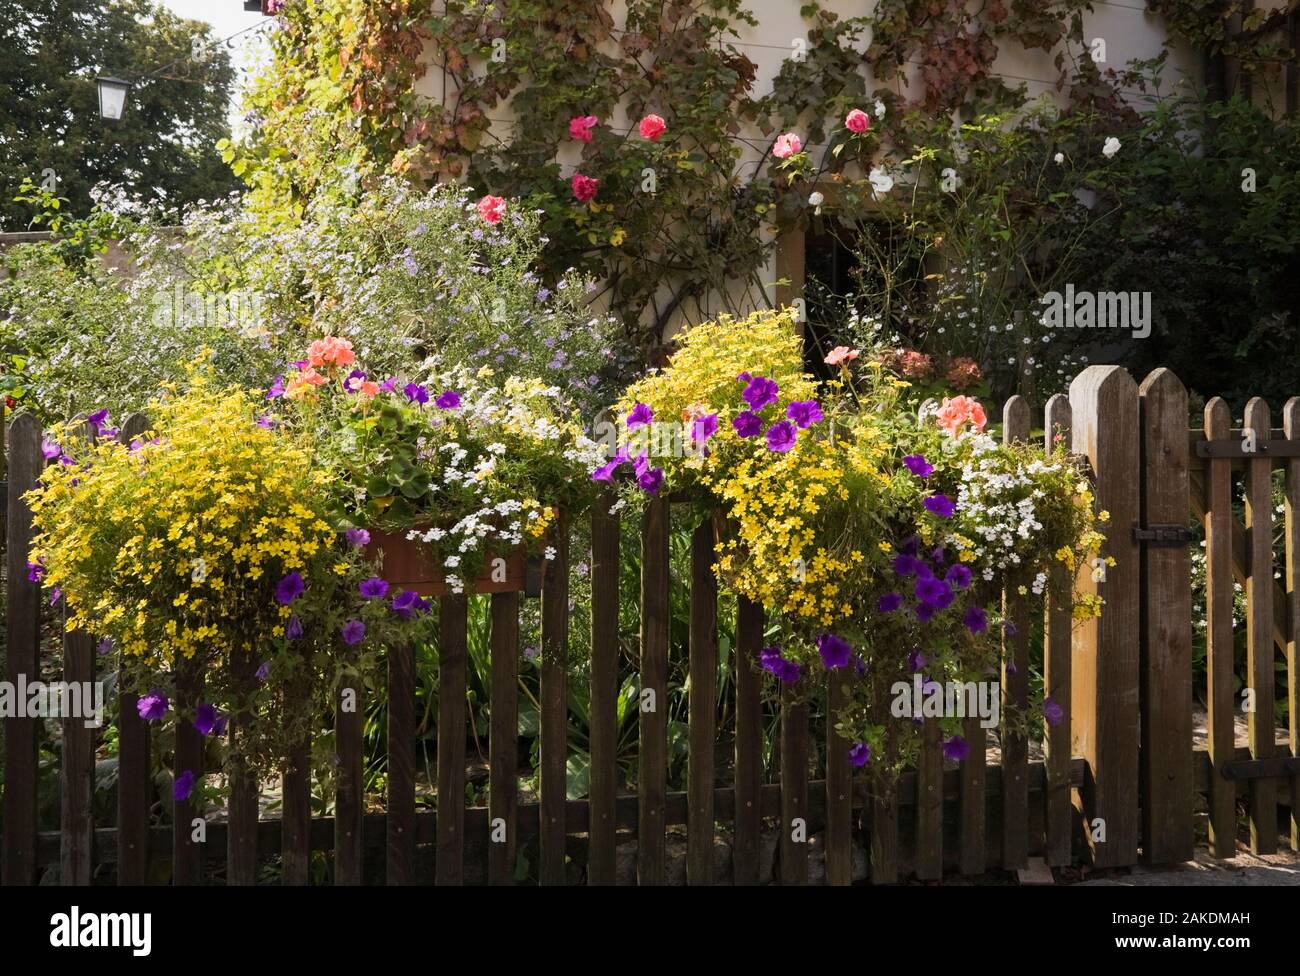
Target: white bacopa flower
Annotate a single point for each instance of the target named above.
(1110, 148)
(881, 182)
(1059, 158)
(815, 199)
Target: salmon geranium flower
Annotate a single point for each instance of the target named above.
(331, 352)
(956, 411)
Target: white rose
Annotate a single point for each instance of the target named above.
(880, 109)
(1110, 148)
(881, 181)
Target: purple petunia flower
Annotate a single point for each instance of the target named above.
(389, 385)
(264, 669)
(906, 565)
(1053, 712)
(374, 588)
(357, 537)
(293, 629)
(352, 382)
(35, 572)
(50, 449)
(97, 420)
(958, 576)
(449, 400)
(415, 393)
(781, 437)
(747, 424)
(771, 660)
(976, 620)
(911, 545)
(759, 392)
(183, 786)
(650, 479)
(916, 660)
(956, 749)
(290, 588)
(640, 416)
(354, 631)
(934, 591)
(925, 612)
(408, 603)
(703, 428)
(105, 646)
(860, 754)
(277, 389)
(205, 718)
(889, 602)
(804, 413)
(1009, 629)
(1011, 668)
(918, 465)
(152, 707)
(835, 650)
(940, 505)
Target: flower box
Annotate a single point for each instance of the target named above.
(409, 564)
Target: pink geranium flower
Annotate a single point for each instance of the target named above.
(331, 351)
(584, 187)
(580, 127)
(956, 411)
(652, 127)
(857, 121)
(841, 354)
(492, 209)
(787, 144)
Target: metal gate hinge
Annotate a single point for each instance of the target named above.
(1164, 535)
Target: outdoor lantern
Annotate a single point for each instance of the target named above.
(112, 96)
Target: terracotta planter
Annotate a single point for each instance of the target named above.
(410, 565)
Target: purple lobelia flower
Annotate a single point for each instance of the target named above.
(804, 413)
(889, 602)
(781, 437)
(918, 465)
(640, 416)
(747, 424)
(357, 537)
(835, 650)
(958, 576)
(277, 389)
(266, 422)
(293, 629)
(940, 505)
(374, 588)
(916, 660)
(290, 588)
(152, 707)
(976, 620)
(105, 646)
(860, 754)
(1053, 712)
(353, 631)
(263, 671)
(183, 786)
(415, 393)
(449, 400)
(956, 749)
(206, 718)
(759, 392)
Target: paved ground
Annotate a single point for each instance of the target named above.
(1247, 870)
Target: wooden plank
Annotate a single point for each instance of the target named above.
(602, 835)
(241, 841)
(1291, 516)
(1218, 635)
(503, 740)
(652, 774)
(400, 842)
(749, 741)
(839, 787)
(1058, 819)
(187, 854)
(1259, 636)
(295, 837)
(884, 803)
(555, 706)
(702, 705)
(1103, 400)
(1016, 609)
(1166, 650)
(134, 788)
(929, 803)
(349, 716)
(22, 631)
(972, 858)
(794, 787)
(453, 655)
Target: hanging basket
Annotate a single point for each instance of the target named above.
(409, 564)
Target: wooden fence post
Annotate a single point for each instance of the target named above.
(554, 697)
(22, 628)
(503, 738)
(1259, 630)
(1104, 403)
(1166, 649)
(1057, 669)
(453, 656)
(652, 770)
(602, 835)
(703, 705)
(1015, 685)
(1291, 512)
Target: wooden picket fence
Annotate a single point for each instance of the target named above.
(1119, 773)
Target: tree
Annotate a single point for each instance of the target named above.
(50, 53)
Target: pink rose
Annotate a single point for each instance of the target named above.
(580, 127)
(584, 187)
(491, 209)
(857, 121)
(787, 144)
(652, 127)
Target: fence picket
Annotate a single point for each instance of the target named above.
(449, 868)
(1058, 817)
(400, 825)
(1291, 514)
(652, 775)
(702, 705)
(295, 811)
(794, 788)
(503, 738)
(839, 789)
(884, 832)
(1166, 627)
(555, 705)
(241, 837)
(1016, 609)
(749, 741)
(929, 803)
(187, 853)
(1259, 630)
(1218, 633)
(602, 836)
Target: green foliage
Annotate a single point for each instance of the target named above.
(49, 109)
